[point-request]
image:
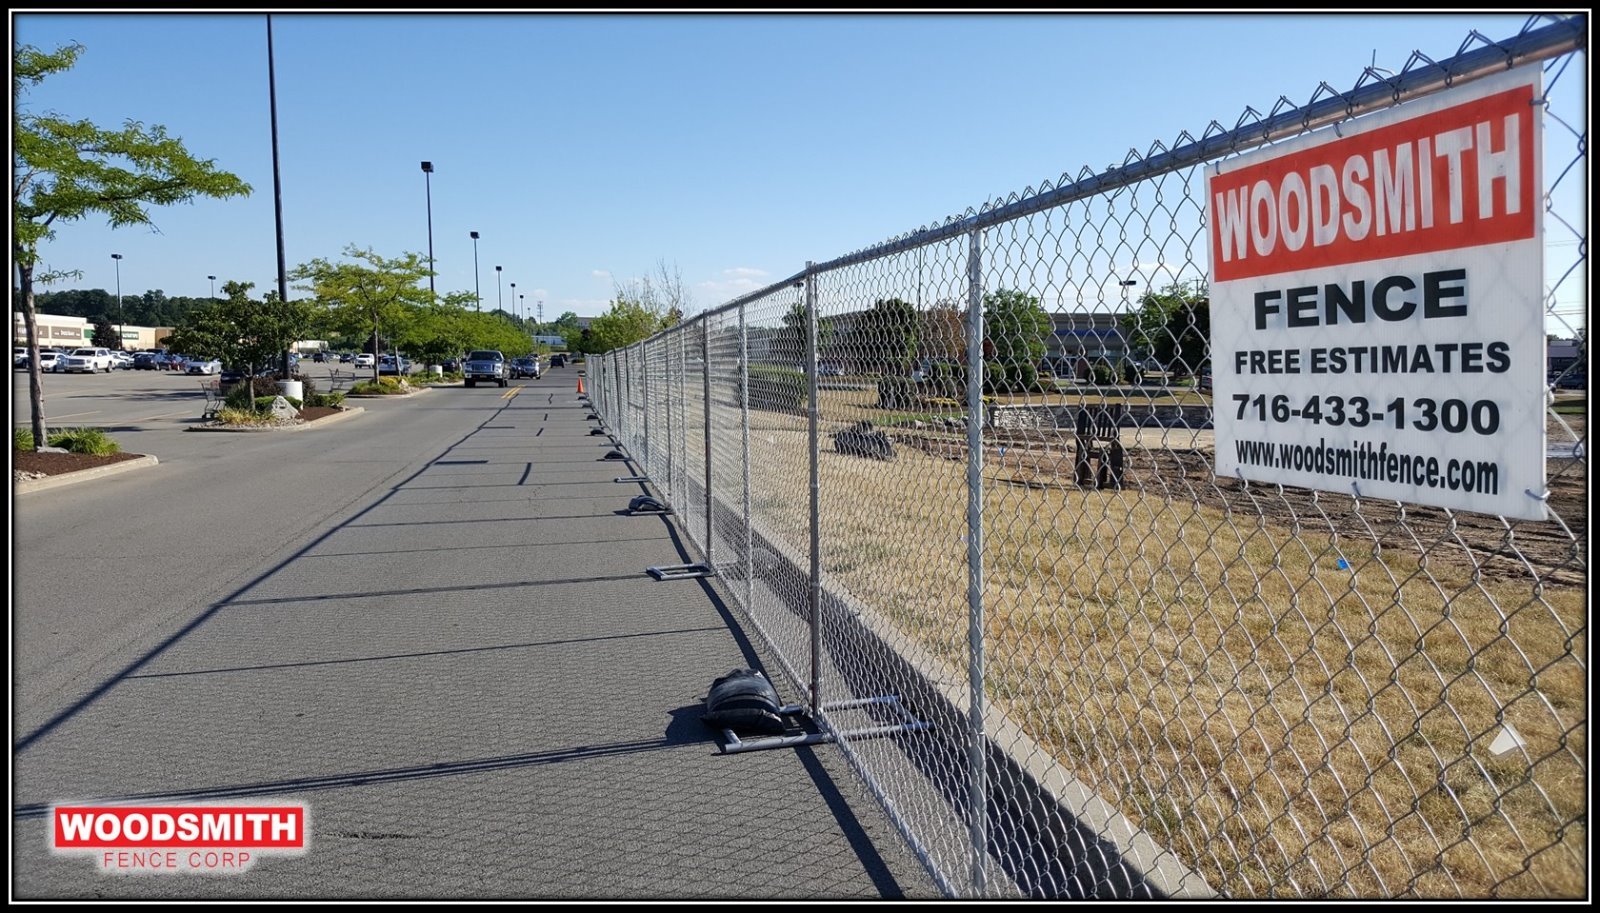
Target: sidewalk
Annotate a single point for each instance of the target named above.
(476, 691)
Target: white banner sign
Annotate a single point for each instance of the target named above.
(1376, 312)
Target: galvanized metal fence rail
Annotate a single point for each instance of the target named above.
(964, 477)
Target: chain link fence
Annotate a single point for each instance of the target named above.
(962, 484)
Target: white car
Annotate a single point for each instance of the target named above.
(201, 366)
(88, 360)
(49, 359)
(364, 360)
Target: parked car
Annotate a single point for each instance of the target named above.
(48, 359)
(87, 360)
(830, 369)
(451, 365)
(487, 365)
(144, 361)
(1569, 380)
(388, 364)
(345, 358)
(364, 360)
(123, 360)
(169, 361)
(558, 360)
(319, 357)
(202, 366)
(526, 366)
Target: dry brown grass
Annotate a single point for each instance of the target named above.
(1287, 727)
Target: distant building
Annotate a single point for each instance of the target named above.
(71, 332)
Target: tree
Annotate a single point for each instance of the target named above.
(887, 336)
(1172, 326)
(944, 332)
(241, 332)
(1015, 330)
(368, 295)
(65, 170)
(626, 323)
(106, 336)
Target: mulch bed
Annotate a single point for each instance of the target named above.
(53, 464)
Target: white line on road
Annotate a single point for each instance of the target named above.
(74, 415)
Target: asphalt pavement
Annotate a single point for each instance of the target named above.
(431, 626)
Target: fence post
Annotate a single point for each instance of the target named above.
(744, 433)
(705, 382)
(666, 402)
(683, 418)
(977, 799)
(816, 489)
(644, 382)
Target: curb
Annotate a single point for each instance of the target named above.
(270, 429)
(82, 475)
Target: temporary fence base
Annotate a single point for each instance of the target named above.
(680, 571)
(732, 744)
(631, 479)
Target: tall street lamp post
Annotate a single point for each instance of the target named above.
(477, 289)
(121, 320)
(499, 300)
(513, 300)
(427, 179)
(213, 285)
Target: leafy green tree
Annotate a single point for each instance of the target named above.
(105, 336)
(1173, 326)
(440, 330)
(1015, 331)
(887, 337)
(65, 170)
(372, 295)
(245, 333)
(627, 322)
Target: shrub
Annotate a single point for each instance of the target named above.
(896, 392)
(391, 381)
(1103, 374)
(229, 416)
(84, 440)
(384, 385)
(325, 399)
(1011, 377)
(22, 438)
(264, 403)
(778, 388)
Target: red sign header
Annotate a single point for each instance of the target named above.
(1459, 177)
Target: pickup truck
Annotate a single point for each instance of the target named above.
(88, 360)
(486, 365)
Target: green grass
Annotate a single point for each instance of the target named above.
(82, 440)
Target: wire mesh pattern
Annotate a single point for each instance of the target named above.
(1155, 681)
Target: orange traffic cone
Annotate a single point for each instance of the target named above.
(580, 386)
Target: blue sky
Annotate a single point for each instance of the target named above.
(586, 148)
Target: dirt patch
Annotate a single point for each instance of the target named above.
(312, 413)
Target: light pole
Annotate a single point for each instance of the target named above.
(1126, 284)
(522, 310)
(213, 285)
(499, 300)
(513, 299)
(427, 179)
(477, 290)
(117, 259)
